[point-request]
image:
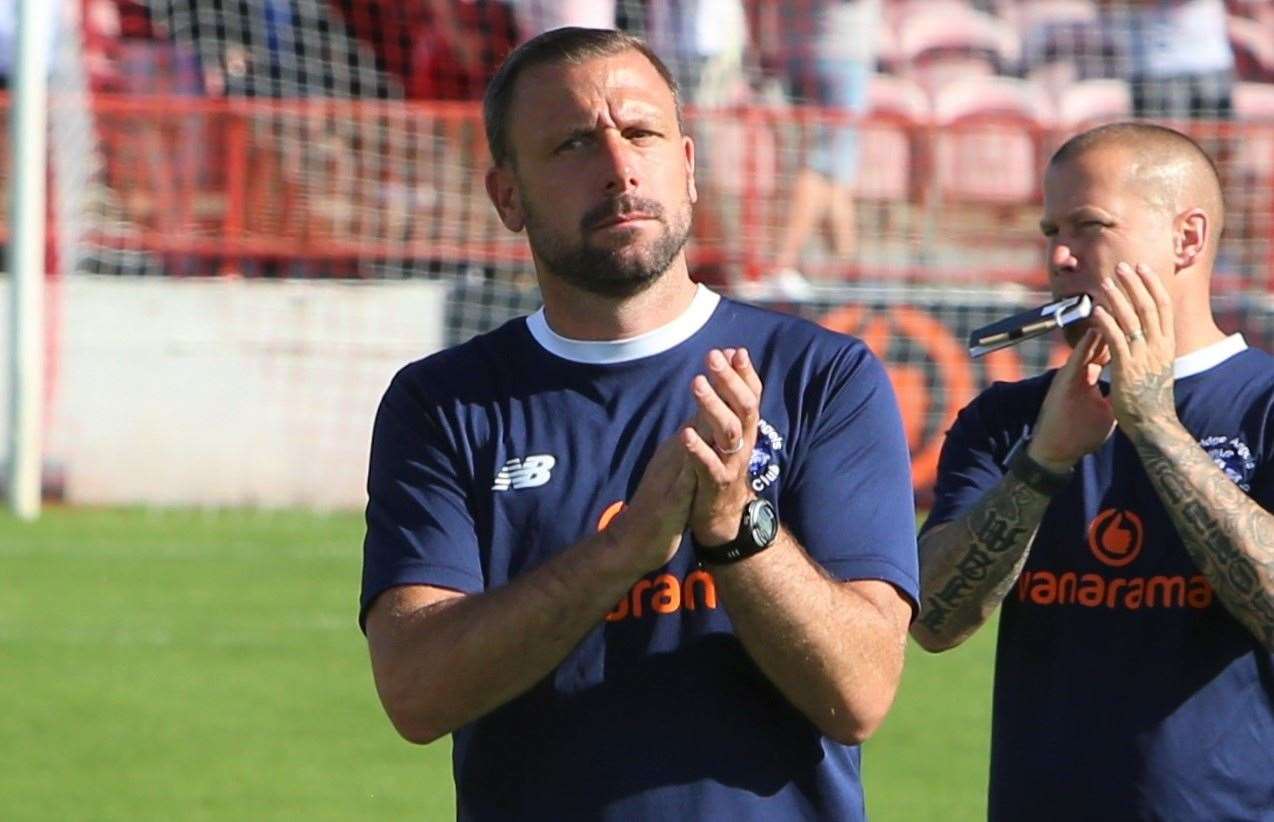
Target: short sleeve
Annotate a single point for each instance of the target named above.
(971, 462)
(420, 527)
(851, 501)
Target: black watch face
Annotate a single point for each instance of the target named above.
(764, 522)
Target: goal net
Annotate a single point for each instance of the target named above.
(260, 208)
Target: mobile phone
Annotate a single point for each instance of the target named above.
(1028, 324)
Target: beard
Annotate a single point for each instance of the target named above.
(624, 268)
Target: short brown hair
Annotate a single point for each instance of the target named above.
(571, 44)
(1155, 148)
(1136, 135)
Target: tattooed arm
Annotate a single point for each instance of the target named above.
(968, 565)
(1227, 534)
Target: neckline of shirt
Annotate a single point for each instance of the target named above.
(609, 352)
(1210, 356)
(1206, 358)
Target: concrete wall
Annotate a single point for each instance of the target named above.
(216, 392)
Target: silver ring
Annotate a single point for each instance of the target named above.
(1136, 335)
(738, 446)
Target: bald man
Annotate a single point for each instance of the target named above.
(1121, 520)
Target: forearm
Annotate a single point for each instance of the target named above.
(832, 652)
(443, 665)
(1227, 534)
(968, 565)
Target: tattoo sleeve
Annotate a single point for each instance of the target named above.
(968, 566)
(1229, 536)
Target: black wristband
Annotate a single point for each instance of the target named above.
(725, 554)
(1033, 475)
(758, 529)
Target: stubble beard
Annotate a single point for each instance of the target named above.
(622, 270)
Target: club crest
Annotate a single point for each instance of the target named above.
(1232, 456)
(763, 467)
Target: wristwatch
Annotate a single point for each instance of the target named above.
(1033, 475)
(758, 529)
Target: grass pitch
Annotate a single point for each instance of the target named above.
(207, 665)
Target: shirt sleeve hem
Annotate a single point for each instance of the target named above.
(847, 570)
(441, 576)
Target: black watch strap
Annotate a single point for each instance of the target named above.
(758, 530)
(1033, 475)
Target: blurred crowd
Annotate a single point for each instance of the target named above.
(1061, 63)
(447, 49)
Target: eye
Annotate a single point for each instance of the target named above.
(571, 143)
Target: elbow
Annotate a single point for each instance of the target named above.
(856, 715)
(412, 712)
(934, 643)
(413, 724)
(854, 728)
(416, 731)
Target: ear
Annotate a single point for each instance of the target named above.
(689, 147)
(502, 188)
(1190, 235)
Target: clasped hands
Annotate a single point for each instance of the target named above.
(699, 477)
(1131, 331)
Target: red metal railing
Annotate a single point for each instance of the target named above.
(342, 181)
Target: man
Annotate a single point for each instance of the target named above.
(826, 54)
(632, 582)
(1177, 56)
(1124, 525)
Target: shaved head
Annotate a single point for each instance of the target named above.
(1167, 168)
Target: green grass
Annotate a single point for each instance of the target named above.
(207, 665)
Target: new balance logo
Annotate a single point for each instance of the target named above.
(527, 472)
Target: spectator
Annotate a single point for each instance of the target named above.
(704, 43)
(457, 47)
(1180, 64)
(8, 38)
(825, 56)
(538, 16)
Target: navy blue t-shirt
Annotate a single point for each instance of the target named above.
(491, 457)
(1124, 689)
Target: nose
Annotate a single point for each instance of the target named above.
(620, 164)
(1061, 259)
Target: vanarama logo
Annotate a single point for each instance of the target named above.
(664, 593)
(1115, 538)
(1096, 591)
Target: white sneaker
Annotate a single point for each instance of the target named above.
(791, 284)
(752, 291)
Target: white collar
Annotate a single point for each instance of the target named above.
(1196, 362)
(608, 352)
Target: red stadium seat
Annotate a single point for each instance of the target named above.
(897, 109)
(944, 41)
(989, 140)
(1093, 102)
(1254, 101)
(1250, 184)
(1254, 106)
